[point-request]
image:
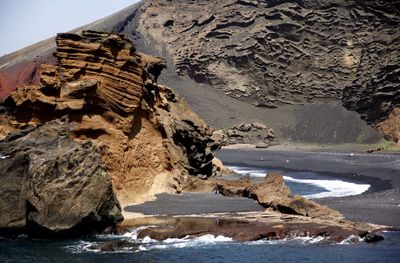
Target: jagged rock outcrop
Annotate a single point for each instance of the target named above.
(51, 185)
(377, 100)
(249, 133)
(148, 136)
(273, 193)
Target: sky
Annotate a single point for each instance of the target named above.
(25, 22)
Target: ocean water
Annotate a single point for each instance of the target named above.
(210, 248)
(308, 184)
(203, 249)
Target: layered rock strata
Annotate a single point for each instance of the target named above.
(52, 185)
(148, 136)
(276, 52)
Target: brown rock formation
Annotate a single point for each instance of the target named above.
(247, 226)
(242, 230)
(53, 185)
(390, 127)
(149, 138)
(272, 193)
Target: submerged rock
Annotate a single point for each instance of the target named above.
(372, 237)
(115, 245)
(52, 185)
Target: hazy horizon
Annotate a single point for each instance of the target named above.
(26, 22)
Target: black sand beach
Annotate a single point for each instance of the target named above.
(195, 204)
(380, 204)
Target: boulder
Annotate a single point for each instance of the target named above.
(270, 134)
(372, 237)
(251, 133)
(244, 127)
(52, 185)
(259, 126)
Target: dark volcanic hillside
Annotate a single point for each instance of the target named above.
(284, 63)
(276, 52)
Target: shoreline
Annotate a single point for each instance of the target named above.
(380, 204)
(287, 146)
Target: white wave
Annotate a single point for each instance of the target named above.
(350, 240)
(334, 188)
(190, 242)
(132, 234)
(82, 246)
(248, 171)
(148, 243)
(148, 240)
(295, 240)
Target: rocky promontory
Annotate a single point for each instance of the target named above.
(142, 137)
(110, 95)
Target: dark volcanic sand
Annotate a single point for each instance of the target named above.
(194, 203)
(380, 204)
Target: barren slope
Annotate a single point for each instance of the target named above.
(284, 63)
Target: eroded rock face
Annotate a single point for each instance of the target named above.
(148, 136)
(276, 52)
(377, 100)
(270, 54)
(52, 185)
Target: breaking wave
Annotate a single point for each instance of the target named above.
(328, 188)
(146, 243)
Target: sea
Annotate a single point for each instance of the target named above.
(210, 248)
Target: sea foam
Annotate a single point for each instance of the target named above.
(334, 188)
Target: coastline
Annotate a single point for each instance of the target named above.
(379, 205)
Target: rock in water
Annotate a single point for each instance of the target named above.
(52, 185)
(272, 193)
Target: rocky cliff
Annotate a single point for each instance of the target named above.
(276, 52)
(377, 99)
(272, 53)
(282, 63)
(148, 137)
